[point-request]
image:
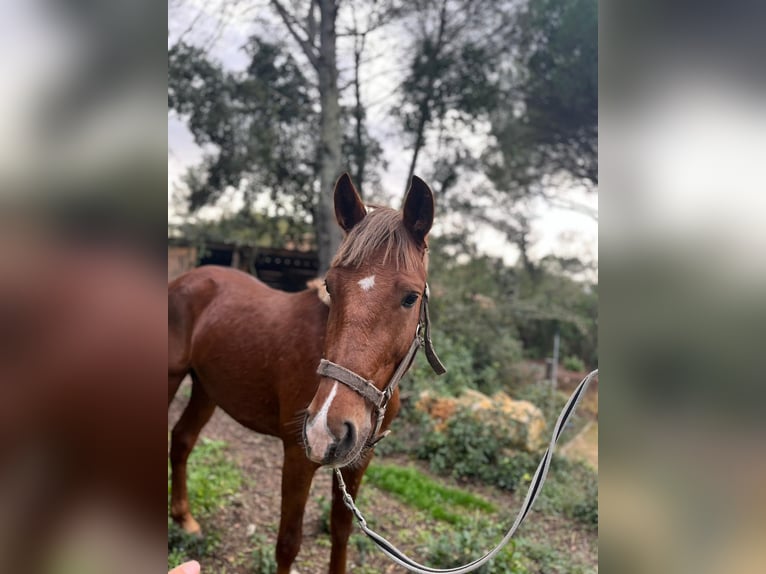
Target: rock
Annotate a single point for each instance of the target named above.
(440, 409)
(520, 421)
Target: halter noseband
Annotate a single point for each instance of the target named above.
(367, 389)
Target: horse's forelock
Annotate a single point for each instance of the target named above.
(382, 229)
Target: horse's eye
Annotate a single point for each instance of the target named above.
(409, 300)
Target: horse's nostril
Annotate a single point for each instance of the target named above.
(348, 440)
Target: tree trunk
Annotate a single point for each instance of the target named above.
(324, 61)
(327, 231)
(361, 147)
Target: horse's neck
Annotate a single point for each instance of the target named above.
(308, 312)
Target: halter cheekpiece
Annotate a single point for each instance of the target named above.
(367, 389)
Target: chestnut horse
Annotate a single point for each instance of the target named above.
(254, 352)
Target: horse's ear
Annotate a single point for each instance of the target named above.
(349, 209)
(418, 211)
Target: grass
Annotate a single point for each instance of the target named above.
(416, 489)
(212, 479)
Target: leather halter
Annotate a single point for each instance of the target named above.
(367, 389)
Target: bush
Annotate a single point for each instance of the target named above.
(539, 394)
(573, 363)
(466, 448)
(262, 557)
(571, 490)
(461, 372)
(453, 548)
(183, 547)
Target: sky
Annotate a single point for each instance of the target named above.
(554, 229)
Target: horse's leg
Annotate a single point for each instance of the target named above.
(341, 518)
(297, 474)
(184, 436)
(174, 381)
(179, 342)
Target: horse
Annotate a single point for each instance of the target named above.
(317, 370)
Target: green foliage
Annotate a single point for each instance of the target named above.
(573, 363)
(548, 300)
(487, 316)
(474, 329)
(256, 125)
(365, 547)
(422, 492)
(454, 547)
(469, 449)
(212, 479)
(325, 508)
(551, 403)
(548, 122)
(183, 547)
(247, 229)
(262, 557)
(571, 490)
(461, 368)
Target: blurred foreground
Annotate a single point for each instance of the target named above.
(82, 291)
(683, 298)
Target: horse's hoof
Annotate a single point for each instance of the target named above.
(191, 527)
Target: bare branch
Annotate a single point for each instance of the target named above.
(292, 26)
(311, 24)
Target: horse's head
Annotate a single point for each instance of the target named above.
(376, 284)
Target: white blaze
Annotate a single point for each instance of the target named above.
(367, 283)
(318, 434)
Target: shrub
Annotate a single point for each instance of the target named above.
(461, 369)
(183, 547)
(539, 394)
(262, 557)
(468, 449)
(573, 363)
(453, 548)
(572, 491)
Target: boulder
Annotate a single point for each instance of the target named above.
(520, 421)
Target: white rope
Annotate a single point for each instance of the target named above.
(534, 489)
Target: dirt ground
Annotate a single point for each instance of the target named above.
(256, 510)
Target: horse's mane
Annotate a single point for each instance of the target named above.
(383, 227)
(317, 284)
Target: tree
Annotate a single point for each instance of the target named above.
(291, 148)
(547, 122)
(453, 70)
(527, 70)
(258, 122)
(323, 58)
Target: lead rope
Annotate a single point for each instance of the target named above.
(534, 489)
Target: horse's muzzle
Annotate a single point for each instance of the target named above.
(324, 447)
